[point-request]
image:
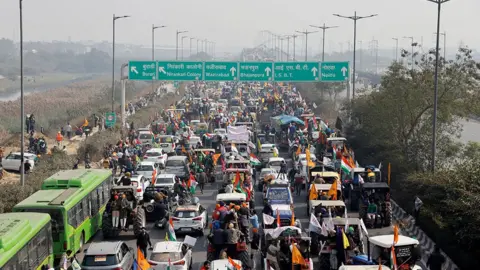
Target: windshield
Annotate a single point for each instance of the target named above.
(174, 163)
(266, 155)
(165, 140)
(145, 168)
(185, 214)
(55, 214)
(275, 163)
(165, 257)
(153, 154)
(164, 181)
(99, 260)
(235, 102)
(145, 136)
(280, 194)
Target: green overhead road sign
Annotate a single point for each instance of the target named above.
(296, 71)
(334, 71)
(180, 71)
(142, 70)
(255, 71)
(220, 71)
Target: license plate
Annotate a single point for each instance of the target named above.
(164, 145)
(186, 229)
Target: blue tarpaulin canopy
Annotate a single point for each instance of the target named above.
(287, 119)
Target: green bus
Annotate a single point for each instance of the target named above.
(25, 241)
(76, 201)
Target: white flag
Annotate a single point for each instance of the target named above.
(267, 219)
(330, 224)
(314, 225)
(324, 230)
(360, 179)
(346, 220)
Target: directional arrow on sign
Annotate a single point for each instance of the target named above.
(268, 70)
(344, 71)
(162, 70)
(232, 70)
(134, 69)
(314, 71)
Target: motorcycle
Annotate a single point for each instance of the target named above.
(161, 223)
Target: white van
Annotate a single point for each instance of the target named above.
(145, 137)
(167, 143)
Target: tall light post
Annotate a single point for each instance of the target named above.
(204, 46)
(294, 48)
(288, 47)
(22, 105)
(444, 34)
(323, 38)
(190, 53)
(281, 47)
(153, 46)
(306, 33)
(411, 44)
(198, 40)
(184, 37)
(354, 18)
(396, 49)
(435, 94)
(176, 43)
(113, 58)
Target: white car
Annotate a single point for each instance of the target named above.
(194, 140)
(12, 161)
(176, 254)
(223, 264)
(145, 137)
(156, 155)
(189, 219)
(302, 159)
(221, 132)
(146, 169)
(165, 180)
(275, 163)
(140, 183)
(167, 143)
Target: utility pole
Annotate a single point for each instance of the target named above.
(190, 53)
(396, 49)
(354, 18)
(198, 40)
(113, 59)
(411, 38)
(294, 48)
(153, 48)
(444, 34)
(323, 39)
(183, 37)
(435, 98)
(281, 48)
(306, 33)
(22, 102)
(288, 47)
(176, 43)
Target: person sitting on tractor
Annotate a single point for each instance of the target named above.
(370, 175)
(372, 210)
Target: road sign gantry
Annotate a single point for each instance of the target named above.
(239, 71)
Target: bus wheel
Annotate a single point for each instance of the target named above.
(81, 241)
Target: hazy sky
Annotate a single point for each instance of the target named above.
(237, 23)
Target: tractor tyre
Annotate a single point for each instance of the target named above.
(138, 221)
(388, 215)
(210, 256)
(245, 258)
(107, 228)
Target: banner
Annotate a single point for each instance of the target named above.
(239, 133)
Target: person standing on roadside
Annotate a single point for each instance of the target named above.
(202, 178)
(436, 260)
(59, 138)
(68, 130)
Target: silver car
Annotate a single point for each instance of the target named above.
(108, 256)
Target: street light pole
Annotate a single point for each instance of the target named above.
(198, 40)
(153, 47)
(444, 34)
(294, 48)
(22, 104)
(184, 37)
(354, 18)
(113, 59)
(411, 38)
(176, 43)
(306, 33)
(435, 94)
(323, 39)
(190, 53)
(396, 49)
(288, 47)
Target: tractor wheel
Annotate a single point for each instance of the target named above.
(139, 221)
(244, 257)
(388, 217)
(107, 228)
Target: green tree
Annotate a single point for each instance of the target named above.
(396, 122)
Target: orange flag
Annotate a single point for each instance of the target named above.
(141, 261)
(380, 264)
(299, 151)
(215, 158)
(297, 257)
(234, 264)
(292, 222)
(279, 224)
(313, 193)
(333, 190)
(395, 234)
